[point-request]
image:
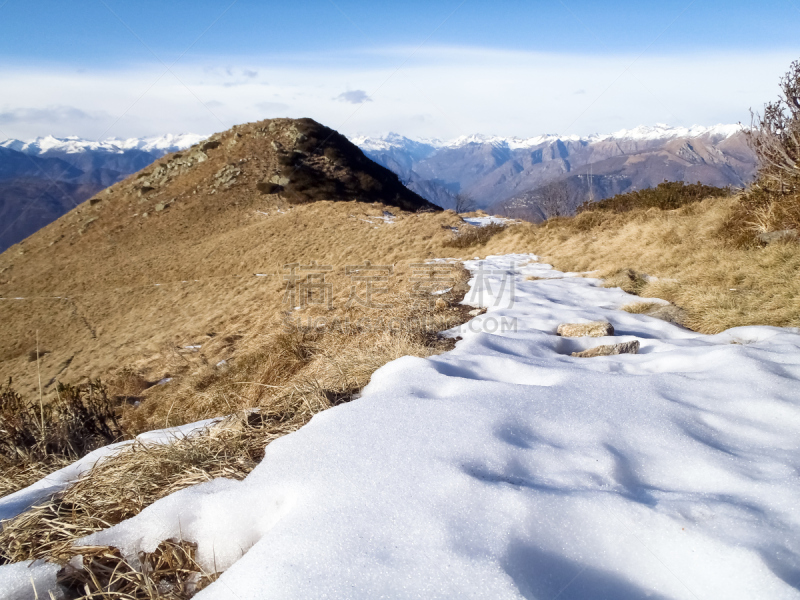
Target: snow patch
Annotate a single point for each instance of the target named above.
(660, 131)
(484, 221)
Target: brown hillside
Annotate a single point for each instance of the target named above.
(189, 252)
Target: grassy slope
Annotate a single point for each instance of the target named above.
(106, 286)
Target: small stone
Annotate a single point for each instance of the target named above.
(476, 312)
(159, 207)
(442, 304)
(784, 235)
(591, 329)
(610, 350)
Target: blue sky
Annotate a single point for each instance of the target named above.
(99, 67)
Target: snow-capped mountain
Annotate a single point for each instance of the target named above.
(75, 145)
(495, 170)
(42, 179)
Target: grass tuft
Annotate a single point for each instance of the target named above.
(469, 237)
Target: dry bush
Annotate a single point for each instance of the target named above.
(39, 437)
(773, 202)
(469, 237)
(775, 136)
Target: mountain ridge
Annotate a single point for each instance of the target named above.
(506, 175)
(498, 173)
(74, 144)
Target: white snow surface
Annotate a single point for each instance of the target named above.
(508, 469)
(29, 580)
(484, 221)
(19, 501)
(74, 145)
(660, 131)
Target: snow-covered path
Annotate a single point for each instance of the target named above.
(508, 469)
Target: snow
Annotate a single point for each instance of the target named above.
(14, 504)
(484, 221)
(28, 580)
(659, 131)
(508, 469)
(72, 145)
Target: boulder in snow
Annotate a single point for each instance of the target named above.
(610, 350)
(591, 329)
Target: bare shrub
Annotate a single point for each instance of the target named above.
(773, 202)
(775, 136)
(554, 199)
(463, 203)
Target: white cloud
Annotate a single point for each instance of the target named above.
(441, 92)
(354, 97)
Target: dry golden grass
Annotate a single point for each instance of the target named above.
(473, 237)
(169, 572)
(18, 474)
(640, 308)
(763, 210)
(319, 353)
(689, 260)
(209, 293)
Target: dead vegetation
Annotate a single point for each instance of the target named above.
(772, 204)
(668, 195)
(169, 572)
(38, 437)
(120, 486)
(315, 357)
(473, 237)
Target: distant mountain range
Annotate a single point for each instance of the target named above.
(504, 175)
(40, 180)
